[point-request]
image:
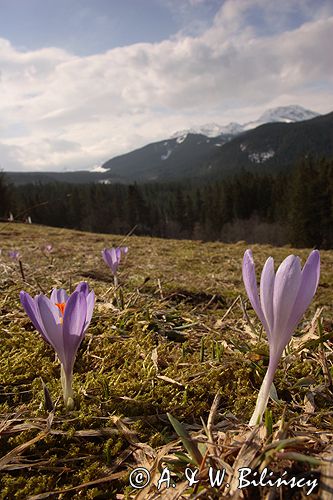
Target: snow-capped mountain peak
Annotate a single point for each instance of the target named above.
(208, 129)
(232, 128)
(287, 114)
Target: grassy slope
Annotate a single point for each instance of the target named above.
(172, 348)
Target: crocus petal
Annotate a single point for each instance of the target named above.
(307, 289)
(286, 287)
(118, 254)
(90, 307)
(110, 258)
(266, 293)
(114, 255)
(51, 325)
(59, 296)
(14, 254)
(250, 282)
(32, 311)
(73, 327)
(124, 250)
(104, 255)
(83, 287)
(107, 257)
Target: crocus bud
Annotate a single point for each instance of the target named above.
(284, 298)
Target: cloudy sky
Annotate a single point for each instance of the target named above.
(82, 81)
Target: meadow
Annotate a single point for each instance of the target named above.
(178, 337)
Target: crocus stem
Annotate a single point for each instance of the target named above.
(263, 395)
(121, 298)
(115, 280)
(67, 389)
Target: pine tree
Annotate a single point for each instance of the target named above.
(5, 196)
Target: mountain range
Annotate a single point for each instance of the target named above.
(286, 114)
(278, 139)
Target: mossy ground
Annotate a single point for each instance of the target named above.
(180, 336)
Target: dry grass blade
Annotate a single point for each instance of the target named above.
(40, 465)
(130, 436)
(251, 447)
(173, 493)
(7, 423)
(212, 415)
(326, 477)
(21, 448)
(154, 472)
(230, 308)
(169, 380)
(89, 433)
(154, 358)
(88, 484)
(143, 453)
(247, 319)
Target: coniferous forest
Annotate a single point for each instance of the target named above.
(290, 208)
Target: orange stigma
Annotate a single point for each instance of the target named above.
(61, 307)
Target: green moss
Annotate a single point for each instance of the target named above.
(22, 487)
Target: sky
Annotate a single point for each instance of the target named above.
(82, 81)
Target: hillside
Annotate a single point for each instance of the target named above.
(178, 340)
(170, 160)
(276, 146)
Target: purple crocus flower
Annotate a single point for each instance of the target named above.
(112, 257)
(62, 321)
(284, 298)
(14, 254)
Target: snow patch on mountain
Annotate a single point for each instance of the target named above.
(181, 138)
(183, 133)
(99, 168)
(167, 155)
(104, 181)
(261, 157)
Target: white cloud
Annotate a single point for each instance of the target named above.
(59, 111)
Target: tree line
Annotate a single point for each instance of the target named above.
(295, 207)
